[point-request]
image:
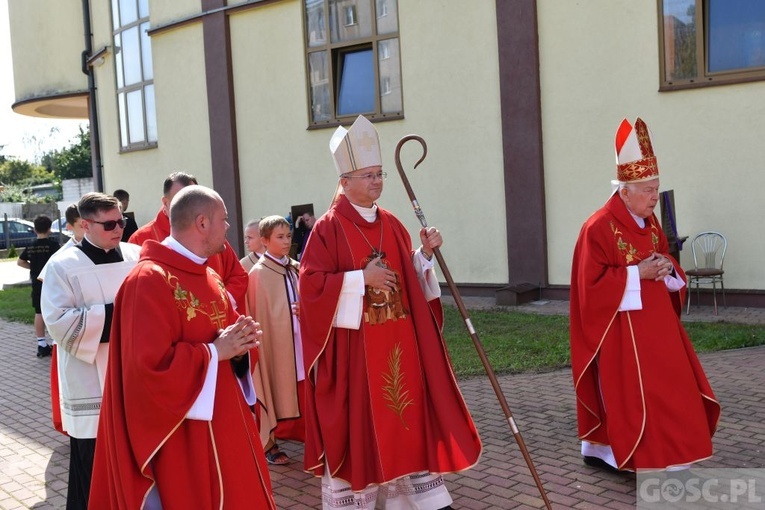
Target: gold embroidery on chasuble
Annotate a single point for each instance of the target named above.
(394, 390)
(215, 310)
(383, 305)
(631, 254)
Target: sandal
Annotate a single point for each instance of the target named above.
(276, 457)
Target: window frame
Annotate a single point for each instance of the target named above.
(333, 52)
(704, 77)
(121, 92)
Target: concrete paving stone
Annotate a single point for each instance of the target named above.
(493, 502)
(560, 500)
(470, 493)
(558, 484)
(592, 498)
(524, 499)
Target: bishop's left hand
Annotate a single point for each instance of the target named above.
(431, 239)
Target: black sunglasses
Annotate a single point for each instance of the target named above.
(111, 224)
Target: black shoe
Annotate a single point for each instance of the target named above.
(44, 351)
(599, 463)
(446, 508)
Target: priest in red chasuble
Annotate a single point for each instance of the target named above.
(384, 415)
(226, 263)
(643, 400)
(176, 428)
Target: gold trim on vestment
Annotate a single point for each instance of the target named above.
(642, 392)
(586, 367)
(164, 440)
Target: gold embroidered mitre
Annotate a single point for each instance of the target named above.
(635, 160)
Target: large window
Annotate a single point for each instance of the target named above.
(353, 60)
(709, 42)
(135, 76)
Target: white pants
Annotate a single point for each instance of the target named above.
(418, 491)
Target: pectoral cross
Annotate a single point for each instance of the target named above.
(217, 316)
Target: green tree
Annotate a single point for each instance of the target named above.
(73, 162)
(24, 173)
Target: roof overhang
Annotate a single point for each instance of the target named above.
(60, 106)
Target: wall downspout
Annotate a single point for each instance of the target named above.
(95, 139)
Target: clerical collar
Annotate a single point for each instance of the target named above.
(640, 221)
(368, 213)
(85, 237)
(99, 255)
(284, 261)
(177, 247)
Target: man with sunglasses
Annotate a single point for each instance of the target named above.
(77, 304)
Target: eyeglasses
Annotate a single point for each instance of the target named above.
(368, 177)
(111, 224)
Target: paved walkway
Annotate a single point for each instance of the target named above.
(34, 458)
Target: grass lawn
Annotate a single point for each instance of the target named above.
(521, 342)
(16, 304)
(514, 342)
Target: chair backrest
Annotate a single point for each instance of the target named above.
(709, 250)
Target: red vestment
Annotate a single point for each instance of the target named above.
(381, 402)
(167, 311)
(639, 385)
(225, 263)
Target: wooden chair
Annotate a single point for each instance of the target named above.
(708, 258)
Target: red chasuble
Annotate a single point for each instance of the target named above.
(382, 401)
(640, 387)
(225, 263)
(167, 311)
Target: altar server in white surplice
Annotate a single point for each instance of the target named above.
(77, 304)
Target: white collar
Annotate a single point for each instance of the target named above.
(368, 213)
(283, 261)
(640, 221)
(177, 247)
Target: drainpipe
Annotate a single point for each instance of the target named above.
(95, 139)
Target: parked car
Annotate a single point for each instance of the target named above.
(59, 227)
(20, 233)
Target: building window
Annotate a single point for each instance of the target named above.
(711, 42)
(382, 8)
(350, 15)
(134, 74)
(353, 60)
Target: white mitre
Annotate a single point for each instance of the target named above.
(355, 148)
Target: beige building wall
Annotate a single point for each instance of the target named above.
(47, 42)
(450, 99)
(182, 123)
(599, 64)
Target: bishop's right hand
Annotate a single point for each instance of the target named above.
(655, 267)
(378, 276)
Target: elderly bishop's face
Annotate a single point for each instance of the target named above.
(641, 197)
